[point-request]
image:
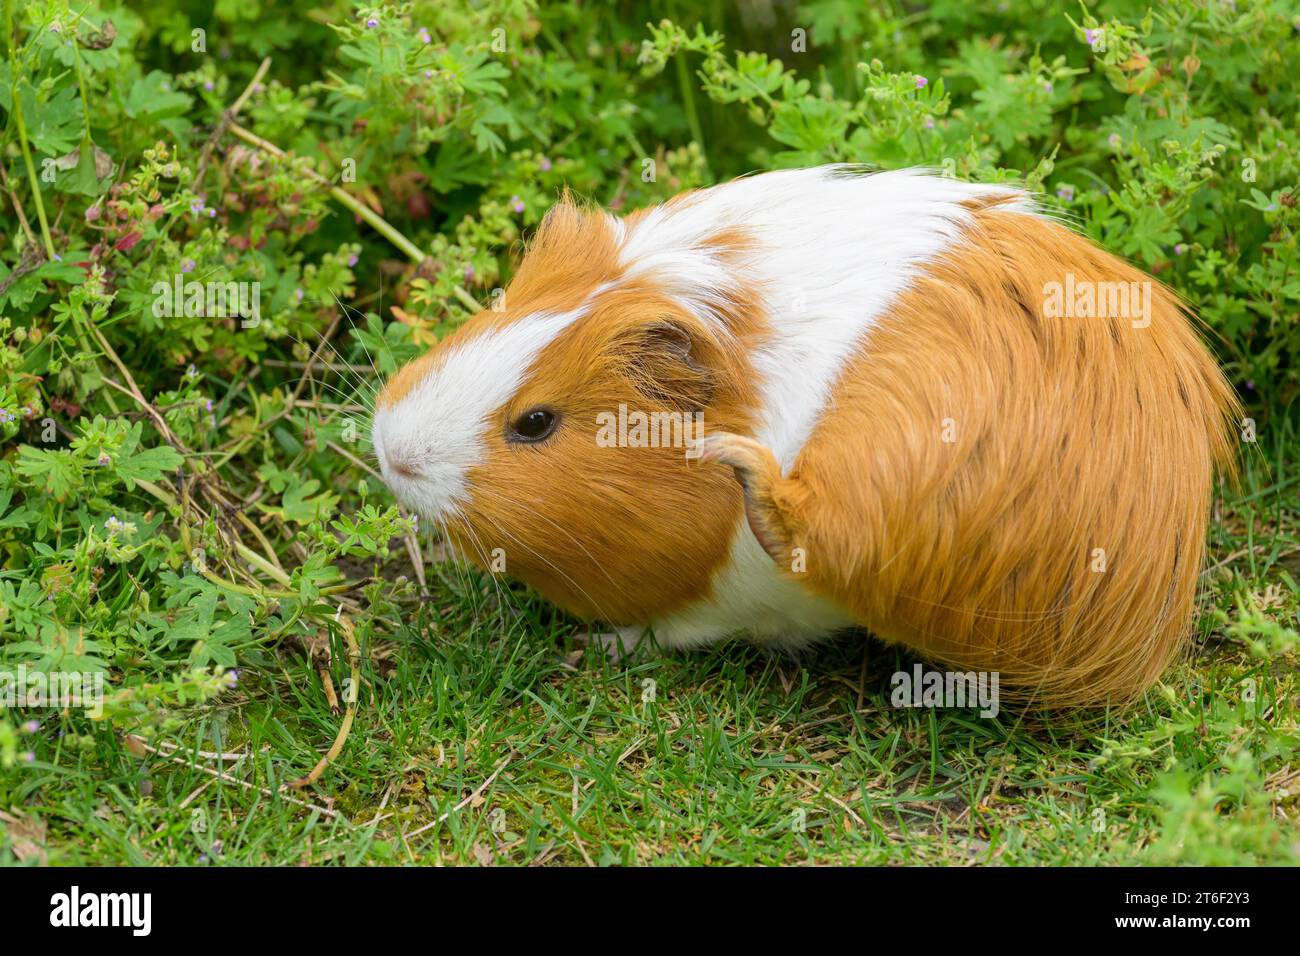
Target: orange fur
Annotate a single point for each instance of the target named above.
(656, 528)
(1057, 538)
(1071, 435)
(572, 253)
(616, 534)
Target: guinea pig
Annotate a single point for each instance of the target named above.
(815, 399)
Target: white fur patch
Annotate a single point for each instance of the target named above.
(752, 599)
(835, 248)
(438, 427)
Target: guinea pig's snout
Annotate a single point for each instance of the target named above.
(394, 460)
(400, 466)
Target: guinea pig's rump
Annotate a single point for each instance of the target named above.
(1017, 470)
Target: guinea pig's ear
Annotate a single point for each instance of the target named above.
(670, 362)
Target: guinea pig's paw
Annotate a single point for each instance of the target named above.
(757, 471)
(752, 461)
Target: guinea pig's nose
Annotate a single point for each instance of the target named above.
(399, 466)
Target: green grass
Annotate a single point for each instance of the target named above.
(487, 734)
(176, 499)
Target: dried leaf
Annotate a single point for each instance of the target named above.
(100, 39)
(26, 833)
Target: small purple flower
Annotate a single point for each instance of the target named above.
(1047, 86)
(297, 295)
(197, 206)
(208, 85)
(1179, 249)
(469, 273)
(212, 214)
(516, 204)
(352, 260)
(1066, 193)
(58, 258)
(1114, 140)
(208, 405)
(31, 726)
(6, 416)
(231, 678)
(929, 122)
(1094, 37)
(105, 459)
(428, 74)
(93, 213)
(424, 36)
(187, 265)
(372, 23)
(921, 82)
(544, 164)
(29, 757)
(191, 371)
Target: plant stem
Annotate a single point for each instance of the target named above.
(688, 94)
(380, 225)
(264, 593)
(361, 209)
(466, 299)
(16, 99)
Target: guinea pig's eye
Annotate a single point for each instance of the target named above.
(534, 425)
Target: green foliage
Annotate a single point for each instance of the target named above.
(183, 479)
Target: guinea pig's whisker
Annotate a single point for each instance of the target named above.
(347, 314)
(458, 571)
(477, 545)
(345, 398)
(360, 414)
(383, 340)
(462, 585)
(503, 594)
(347, 311)
(364, 388)
(362, 391)
(342, 366)
(617, 587)
(604, 614)
(560, 528)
